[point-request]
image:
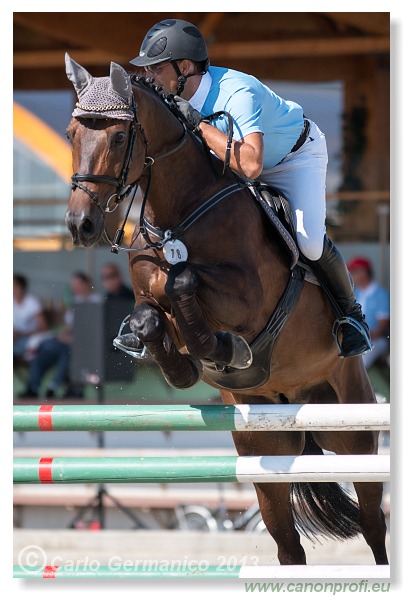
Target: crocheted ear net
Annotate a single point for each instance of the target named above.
(101, 101)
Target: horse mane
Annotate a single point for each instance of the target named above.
(157, 90)
(148, 83)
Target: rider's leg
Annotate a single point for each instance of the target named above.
(332, 273)
(301, 177)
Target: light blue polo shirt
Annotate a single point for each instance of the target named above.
(254, 108)
(375, 303)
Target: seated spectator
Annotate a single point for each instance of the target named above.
(29, 322)
(374, 300)
(55, 351)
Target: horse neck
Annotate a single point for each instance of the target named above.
(181, 180)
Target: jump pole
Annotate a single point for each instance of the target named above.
(350, 468)
(259, 417)
(208, 469)
(286, 572)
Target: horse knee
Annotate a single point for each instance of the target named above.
(182, 279)
(146, 323)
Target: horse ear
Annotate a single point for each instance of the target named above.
(120, 81)
(80, 78)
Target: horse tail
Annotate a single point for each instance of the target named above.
(323, 509)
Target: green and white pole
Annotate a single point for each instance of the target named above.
(212, 469)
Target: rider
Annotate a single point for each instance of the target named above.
(273, 141)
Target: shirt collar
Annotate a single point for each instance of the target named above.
(199, 97)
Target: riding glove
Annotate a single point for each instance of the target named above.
(192, 116)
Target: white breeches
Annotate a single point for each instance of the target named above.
(301, 178)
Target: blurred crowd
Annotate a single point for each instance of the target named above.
(43, 334)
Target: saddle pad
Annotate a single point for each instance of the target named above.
(267, 200)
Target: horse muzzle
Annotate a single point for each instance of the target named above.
(85, 230)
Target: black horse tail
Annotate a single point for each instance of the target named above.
(323, 509)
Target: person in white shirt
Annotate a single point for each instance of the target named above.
(28, 316)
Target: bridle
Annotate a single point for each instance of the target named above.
(122, 189)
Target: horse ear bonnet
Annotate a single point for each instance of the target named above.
(101, 97)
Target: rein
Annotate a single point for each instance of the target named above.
(123, 189)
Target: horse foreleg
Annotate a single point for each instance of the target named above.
(274, 498)
(221, 347)
(180, 370)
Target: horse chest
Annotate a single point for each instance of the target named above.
(151, 284)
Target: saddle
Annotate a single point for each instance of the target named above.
(277, 209)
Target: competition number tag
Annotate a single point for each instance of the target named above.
(175, 251)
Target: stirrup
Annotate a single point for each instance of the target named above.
(118, 342)
(359, 327)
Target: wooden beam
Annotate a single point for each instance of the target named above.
(378, 23)
(242, 50)
(210, 23)
(44, 59)
(362, 195)
(310, 47)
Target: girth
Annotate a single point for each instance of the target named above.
(263, 345)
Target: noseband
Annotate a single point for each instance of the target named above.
(122, 189)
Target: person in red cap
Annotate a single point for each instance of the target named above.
(374, 300)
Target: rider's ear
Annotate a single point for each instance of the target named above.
(121, 81)
(79, 76)
(186, 66)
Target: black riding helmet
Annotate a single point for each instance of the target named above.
(172, 39)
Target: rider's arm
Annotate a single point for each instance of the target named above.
(246, 154)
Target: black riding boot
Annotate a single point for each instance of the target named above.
(335, 279)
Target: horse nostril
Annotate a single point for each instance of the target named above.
(86, 225)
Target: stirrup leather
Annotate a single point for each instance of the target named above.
(140, 353)
(358, 326)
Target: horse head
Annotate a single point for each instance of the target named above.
(108, 155)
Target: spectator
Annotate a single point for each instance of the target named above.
(55, 351)
(29, 322)
(374, 300)
(114, 285)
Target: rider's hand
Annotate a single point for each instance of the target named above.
(192, 116)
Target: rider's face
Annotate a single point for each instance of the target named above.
(165, 75)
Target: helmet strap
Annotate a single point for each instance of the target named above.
(181, 78)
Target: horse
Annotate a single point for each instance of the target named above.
(208, 271)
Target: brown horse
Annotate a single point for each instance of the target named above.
(209, 307)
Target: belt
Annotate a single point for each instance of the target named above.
(302, 138)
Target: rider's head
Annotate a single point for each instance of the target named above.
(172, 51)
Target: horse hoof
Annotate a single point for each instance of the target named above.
(131, 344)
(242, 356)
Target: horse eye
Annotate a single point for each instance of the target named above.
(119, 138)
(68, 136)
